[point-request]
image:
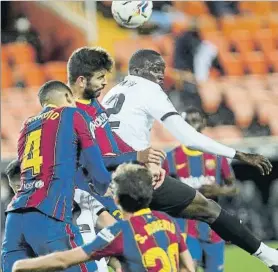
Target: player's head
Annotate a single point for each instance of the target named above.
(133, 187)
(87, 69)
(57, 93)
(13, 174)
(148, 64)
(196, 118)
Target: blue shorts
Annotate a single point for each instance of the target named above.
(213, 253)
(31, 234)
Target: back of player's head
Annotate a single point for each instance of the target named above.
(139, 59)
(50, 89)
(196, 117)
(194, 110)
(86, 60)
(133, 187)
(13, 170)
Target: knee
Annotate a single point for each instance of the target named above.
(203, 209)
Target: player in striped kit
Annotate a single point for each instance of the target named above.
(213, 176)
(146, 240)
(48, 151)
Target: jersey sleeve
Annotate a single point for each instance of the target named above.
(226, 169)
(108, 242)
(83, 129)
(157, 103)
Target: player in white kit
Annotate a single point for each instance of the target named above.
(133, 105)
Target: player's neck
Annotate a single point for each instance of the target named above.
(127, 215)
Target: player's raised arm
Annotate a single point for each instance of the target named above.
(90, 151)
(164, 111)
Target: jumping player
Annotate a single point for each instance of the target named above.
(48, 151)
(138, 101)
(213, 176)
(147, 241)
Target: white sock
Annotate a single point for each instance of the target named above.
(267, 255)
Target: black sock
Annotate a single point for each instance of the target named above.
(231, 229)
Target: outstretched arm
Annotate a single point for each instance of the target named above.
(52, 262)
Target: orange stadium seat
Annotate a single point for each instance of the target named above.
(207, 24)
(228, 133)
(232, 63)
(244, 113)
(56, 70)
(264, 39)
(272, 58)
(179, 27)
(4, 54)
(250, 23)
(255, 62)
(217, 39)
(30, 73)
(228, 25)
(272, 23)
(193, 8)
(21, 53)
(6, 76)
(210, 94)
(246, 6)
(242, 40)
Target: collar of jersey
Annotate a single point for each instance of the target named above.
(142, 212)
(84, 101)
(190, 152)
(50, 106)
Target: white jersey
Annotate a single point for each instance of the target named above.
(132, 106)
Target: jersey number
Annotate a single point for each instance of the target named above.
(119, 100)
(31, 158)
(169, 260)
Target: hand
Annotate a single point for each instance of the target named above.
(151, 155)
(210, 190)
(262, 163)
(158, 174)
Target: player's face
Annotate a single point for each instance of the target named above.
(157, 70)
(95, 84)
(196, 120)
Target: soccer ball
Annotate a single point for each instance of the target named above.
(131, 14)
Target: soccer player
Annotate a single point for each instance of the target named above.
(213, 176)
(147, 240)
(132, 107)
(48, 151)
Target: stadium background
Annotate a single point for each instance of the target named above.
(240, 94)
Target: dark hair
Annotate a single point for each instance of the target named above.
(139, 58)
(87, 60)
(133, 187)
(192, 109)
(48, 87)
(13, 169)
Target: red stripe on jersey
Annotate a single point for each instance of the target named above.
(74, 245)
(143, 241)
(182, 163)
(101, 136)
(214, 237)
(192, 228)
(47, 151)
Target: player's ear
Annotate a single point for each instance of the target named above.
(81, 81)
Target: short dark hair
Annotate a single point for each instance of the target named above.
(48, 87)
(86, 60)
(133, 187)
(192, 109)
(139, 58)
(13, 169)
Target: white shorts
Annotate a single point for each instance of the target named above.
(86, 221)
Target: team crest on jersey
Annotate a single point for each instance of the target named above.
(210, 164)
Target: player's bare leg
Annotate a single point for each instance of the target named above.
(230, 228)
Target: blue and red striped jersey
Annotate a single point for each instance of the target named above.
(148, 241)
(112, 147)
(48, 150)
(196, 169)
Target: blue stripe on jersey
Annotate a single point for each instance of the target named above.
(108, 130)
(204, 231)
(64, 138)
(161, 237)
(196, 166)
(171, 163)
(218, 178)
